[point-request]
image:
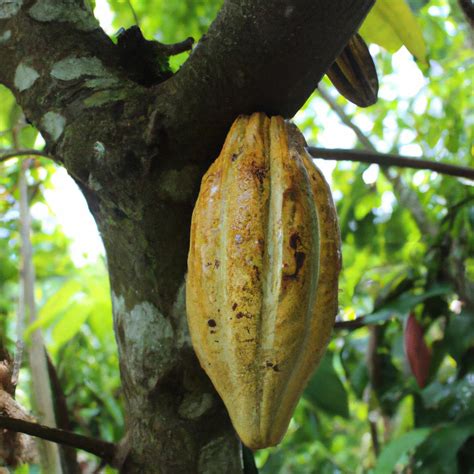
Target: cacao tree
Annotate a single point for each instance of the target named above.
(136, 138)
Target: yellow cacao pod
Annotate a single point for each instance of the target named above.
(263, 264)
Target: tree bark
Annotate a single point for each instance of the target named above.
(138, 155)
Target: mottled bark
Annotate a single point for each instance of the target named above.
(138, 155)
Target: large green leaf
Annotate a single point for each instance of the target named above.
(71, 322)
(404, 303)
(57, 304)
(354, 363)
(393, 452)
(460, 333)
(391, 24)
(326, 390)
(438, 452)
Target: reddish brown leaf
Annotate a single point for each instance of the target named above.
(418, 353)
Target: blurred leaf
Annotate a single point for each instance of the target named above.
(405, 303)
(365, 205)
(58, 303)
(438, 452)
(391, 24)
(326, 390)
(452, 400)
(353, 358)
(460, 333)
(393, 452)
(70, 322)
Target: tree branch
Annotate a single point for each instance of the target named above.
(257, 56)
(387, 159)
(405, 195)
(345, 119)
(134, 13)
(177, 48)
(68, 455)
(352, 325)
(298, 42)
(468, 9)
(69, 58)
(27, 153)
(102, 449)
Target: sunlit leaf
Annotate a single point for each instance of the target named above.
(391, 24)
(58, 303)
(404, 303)
(70, 322)
(393, 452)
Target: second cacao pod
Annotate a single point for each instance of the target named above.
(263, 267)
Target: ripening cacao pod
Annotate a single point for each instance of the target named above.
(263, 265)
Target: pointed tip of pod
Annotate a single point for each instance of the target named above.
(259, 441)
(354, 74)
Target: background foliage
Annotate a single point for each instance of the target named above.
(364, 391)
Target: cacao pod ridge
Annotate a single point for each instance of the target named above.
(263, 265)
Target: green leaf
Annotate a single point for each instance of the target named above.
(404, 303)
(439, 450)
(393, 452)
(353, 359)
(365, 205)
(391, 24)
(70, 322)
(58, 303)
(326, 390)
(460, 333)
(450, 400)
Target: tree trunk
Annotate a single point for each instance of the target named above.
(138, 154)
(176, 423)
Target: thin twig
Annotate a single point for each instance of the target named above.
(49, 453)
(19, 126)
(345, 119)
(7, 154)
(134, 13)
(375, 437)
(22, 304)
(102, 449)
(5, 132)
(468, 9)
(387, 159)
(69, 455)
(351, 325)
(19, 344)
(405, 195)
(177, 48)
(375, 377)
